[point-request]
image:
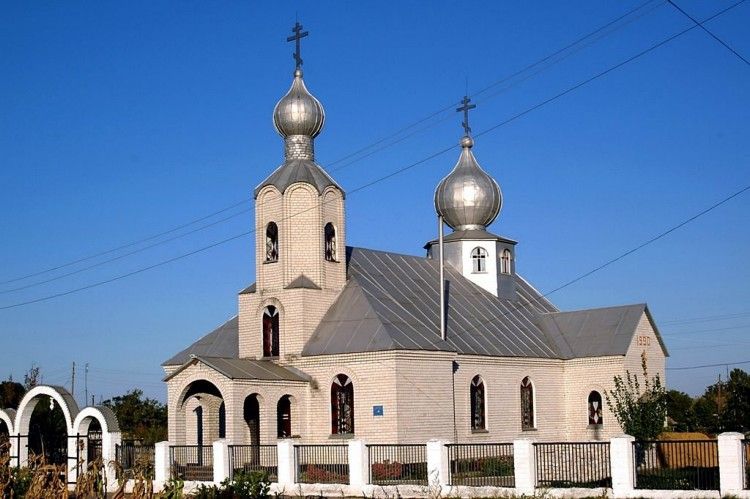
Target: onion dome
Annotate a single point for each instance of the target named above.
(468, 198)
(298, 112)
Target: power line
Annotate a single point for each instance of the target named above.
(709, 318)
(723, 364)
(432, 156)
(127, 245)
(537, 63)
(709, 33)
(715, 330)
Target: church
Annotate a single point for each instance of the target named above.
(333, 342)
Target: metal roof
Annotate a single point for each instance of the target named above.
(221, 342)
(390, 302)
(598, 332)
(248, 290)
(302, 282)
(299, 170)
(245, 369)
(478, 235)
(109, 417)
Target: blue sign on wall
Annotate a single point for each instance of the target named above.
(377, 410)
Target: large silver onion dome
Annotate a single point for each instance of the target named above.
(468, 198)
(298, 112)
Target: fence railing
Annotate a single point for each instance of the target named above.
(192, 462)
(134, 459)
(392, 464)
(576, 464)
(482, 464)
(246, 458)
(676, 465)
(322, 463)
(746, 463)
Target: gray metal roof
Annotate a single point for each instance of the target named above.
(299, 170)
(302, 282)
(479, 235)
(221, 342)
(248, 290)
(597, 332)
(390, 302)
(245, 369)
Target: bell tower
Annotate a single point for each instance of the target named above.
(300, 249)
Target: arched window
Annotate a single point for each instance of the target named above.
(505, 262)
(272, 242)
(198, 426)
(595, 408)
(476, 394)
(284, 417)
(329, 233)
(270, 332)
(527, 404)
(479, 259)
(342, 405)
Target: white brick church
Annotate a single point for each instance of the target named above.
(333, 342)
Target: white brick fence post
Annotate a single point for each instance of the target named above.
(287, 463)
(524, 464)
(359, 464)
(161, 462)
(622, 465)
(731, 465)
(221, 461)
(438, 464)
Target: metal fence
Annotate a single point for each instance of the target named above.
(192, 462)
(482, 464)
(392, 464)
(576, 464)
(134, 460)
(746, 462)
(322, 463)
(676, 465)
(247, 458)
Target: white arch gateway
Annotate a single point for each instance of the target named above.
(77, 422)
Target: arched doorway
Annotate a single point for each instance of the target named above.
(200, 409)
(48, 436)
(251, 414)
(4, 438)
(284, 417)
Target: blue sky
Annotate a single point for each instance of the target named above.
(123, 120)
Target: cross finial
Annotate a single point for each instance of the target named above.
(298, 35)
(465, 108)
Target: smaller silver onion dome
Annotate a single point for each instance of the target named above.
(298, 112)
(468, 198)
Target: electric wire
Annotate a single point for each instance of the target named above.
(537, 63)
(428, 158)
(722, 364)
(710, 33)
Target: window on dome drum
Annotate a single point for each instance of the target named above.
(527, 404)
(479, 260)
(284, 417)
(505, 262)
(270, 332)
(272, 242)
(342, 405)
(329, 233)
(595, 409)
(476, 394)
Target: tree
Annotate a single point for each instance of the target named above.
(680, 410)
(11, 393)
(736, 414)
(641, 414)
(140, 418)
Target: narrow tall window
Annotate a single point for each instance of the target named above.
(270, 332)
(479, 259)
(478, 420)
(527, 404)
(199, 426)
(329, 232)
(222, 421)
(342, 405)
(284, 417)
(505, 262)
(595, 408)
(272, 242)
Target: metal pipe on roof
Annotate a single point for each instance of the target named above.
(442, 278)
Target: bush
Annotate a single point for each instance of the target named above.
(387, 470)
(497, 466)
(252, 485)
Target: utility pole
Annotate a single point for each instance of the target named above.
(86, 383)
(73, 381)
